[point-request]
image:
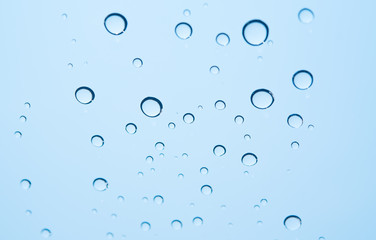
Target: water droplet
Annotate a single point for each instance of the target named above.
(200, 107)
(171, 125)
(311, 127)
(137, 62)
(295, 121)
(46, 233)
(256, 207)
(120, 198)
(220, 105)
(140, 174)
(247, 137)
(306, 15)
(302, 79)
(115, 23)
(264, 202)
(214, 70)
(184, 155)
(197, 221)
(176, 225)
(158, 200)
(223, 207)
(183, 30)
(259, 223)
(94, 211)
(292, 222)
(246, 173)
(188, 118)
(295, 145)
(149, 159)
(18, 134)
(204, 170)
(131, 128)
(23, 118)
(159, 146)
(27, 105)
(260, 58)
(249, 159)
(70, 65)
(145, 199)
(255, 32)
(152, 170)
(97, 140)
(222, 39)
(145, 226)
(151, 107)
(270, 43)
(187, 12)
(206, 190)
(110, 235)
(114, 216)
(192, 204)
(100, 184)
(262, 98)
(180, 176)
(28, 212)
(239, 120)
(219, 150)
(25, 184)
(84, 95)
(73, 41)
(322, 238)
(64, 16)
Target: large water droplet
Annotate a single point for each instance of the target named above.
(220, 105)
(97, 140)
(219, 150)
(306, 15)
(158, 200)
(255, 32)
(131, 128)
(222, 39)
(292, 222)
(206, 190)
(45, 233)
(183, 30)
(100, 184)
(262, 98)
(145, 226)
(302, 79)
(115, 23)
(176, 225)
(295, 121)
(25, 184)
(197, 221)
(188, 118)
(84, 95)
(249, 159)
(151, 107)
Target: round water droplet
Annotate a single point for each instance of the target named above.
(256, 207)
(23, 118)
(97, 141)
(131, 128)
(322, 238)
(184, 155)
(239, 120)
(214, 70)
(311, 127)
(145, 199)
(292, 222)
(188, 118)
(64, 16)
(45, 233)
(70, 65)
(94, 211)
(220, 105)
(204, 170)
(17, 134)
(197, 221)
(73, 41)
(295, 121)
(137, 62)
(145, 226)
(84, 95)
(140, 174)
(110, 235)
(100, 184)
(171, 125)
(183, 30)
(27, 105)
(262, 98)
(249, 159)
(247, 137)
(302, 79)
(295, 145)
(115, 23)
(159, 146)
(255, 32)
(200, 107)
(219, 150)
(264, 202)
(120, 198)
(260, 58)
(180, 176)
(222, 39)
(158, 200)
(149, 159)
(270, 43)
(206, 190)
(176, 225)
(28, 212)
(151, 107)
(25, 184)
(306, 15)
(187, 12)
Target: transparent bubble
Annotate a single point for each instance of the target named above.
(97, 141)
(262, 98)
(28, 212)
(187, 12)
(295, 121)
(260, 58)
(295, 145)
(183, 30)
(219, 150)
(149, 159)
(255, 32)
(17, 134)
(158, 200)
(188, 118)
(145, 199)
(73, 41)
(159, 146)
(204, 170)
(180, 176)
(100, 184)
(140, 174)
(264, 202)
(197, 221)
(200, 107)
(151, 107)
(222, 39)
(137, 62)
(145, 226)
(27, 105)
(70, 65)
(131, 128)
(94, 211)
(171, 125)
(292, 222)
(247, 137)
(311, 127)
(249, 159)
(23, 118)
(64, 16)
(239, 120)
(270, 43)
(214, 70)
(306, 16)
(220, 105)
(114, 216)
(176, 225)
(184, 155)
(302, 79)
(115, 23)
(45, 233)
(110, 235)
(256, 207)
(25, 184)
(120, 198)
(206, 190)
(84, 95)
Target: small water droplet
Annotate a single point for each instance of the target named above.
(137, 62)
(25, 184)
(100, 184)
(115, 23)
(302, 79)
(84, 95)
(149, 159)
(204, 170)
(152, 170)
(158, 200)
(295, 121)
(27, 105)
(94, 211)
(64, 16)
(322, 238)
(197, 221)
(223, 207)
(183, 30)
(46, 233)
(145, 226)
(219, 150)
(145, 199)
(120, 198)
(97, 141)
(239, 120)
(176, 225)
(28, 212)
(255, 32)
(113, 216)
(188, 118)
(110, 235)
(159, 146)
(151, 107)
(70, 65)
(249, 159)
(131, 128)
(220, 105)
(140, 174)
(311, 127)
(222, 39)
(192, 204)
(73, 41)
(262, 98)
(180, 176)
(187, 12)
(247, 137)
(200, 107)
(295, 145)
(256, 207)
(270, 43)
(184, 155)
(23, 118)
(171, 125)
(292, 222)
(206, 190)
(306, 15)
(214, 70)
(259, 223)
(264, 202)
(17, 134)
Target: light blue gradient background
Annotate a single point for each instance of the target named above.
(331, 182)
